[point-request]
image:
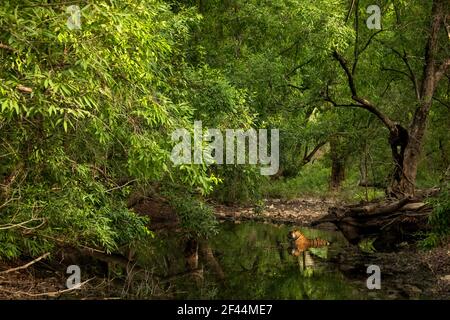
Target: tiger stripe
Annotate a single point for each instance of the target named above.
(302, 243)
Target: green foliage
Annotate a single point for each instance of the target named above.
(439, 220)
(217, 103)
(97, 117)
(197, 218)
(241, 184)
(366, 245)
(82, 213)
(87, 114)
(312, 180)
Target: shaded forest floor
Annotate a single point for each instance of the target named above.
(408, 273)
(40, 282)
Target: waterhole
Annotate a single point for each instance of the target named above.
(253, 260)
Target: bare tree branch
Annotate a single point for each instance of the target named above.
(297, 87)
(344, 66)
(121, 186)
(363, 103)
(441, 70)
(356, 51)
(6, 47)
(412, 75)
(350, 11)
(24, 89)
(398, 71)
(47, 294)
(387, 86)
(8, 201)
(22, 224)
(335, 104)
(369, 41)
(299, 67)
(309, 157)
(355, 48)
(45, 255)
(442, 102)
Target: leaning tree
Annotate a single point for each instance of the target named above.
(433, 57)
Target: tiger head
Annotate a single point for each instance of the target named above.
(294, 234)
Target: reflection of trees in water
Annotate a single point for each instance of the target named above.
(257, 264)
(250, 261)
(305, 261)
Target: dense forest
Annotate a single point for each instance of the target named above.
(95, 94)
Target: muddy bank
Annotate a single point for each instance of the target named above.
(47, 280)
(300, 212)
(409, 273)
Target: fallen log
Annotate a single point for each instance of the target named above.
(378, 209)
(389, 221)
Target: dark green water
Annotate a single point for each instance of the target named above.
(257, 264)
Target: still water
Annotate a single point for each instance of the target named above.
(255, 262)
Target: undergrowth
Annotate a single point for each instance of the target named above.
(439, 220)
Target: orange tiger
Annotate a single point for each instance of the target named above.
(302, 243)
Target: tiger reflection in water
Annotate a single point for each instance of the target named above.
(300, 244)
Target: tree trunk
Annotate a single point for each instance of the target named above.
(210, 260)
(191, 254)
(408, 144)
(406, 150)
(402, 178)
(337, 165)
(405, 184)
